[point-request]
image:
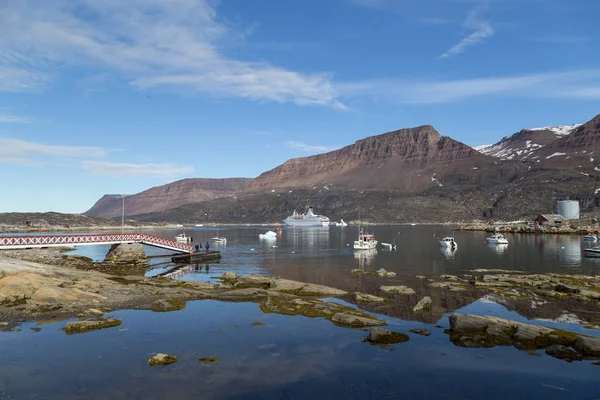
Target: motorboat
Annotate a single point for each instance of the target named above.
(590, 238)
(308, 219)
(592, 252)
(497, 238)
(268, 235)
(182, 238)
(341, 223)
(365, 241)
(388, 246)
(448, 242)
(219, 239)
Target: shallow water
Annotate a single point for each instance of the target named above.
(299, 357)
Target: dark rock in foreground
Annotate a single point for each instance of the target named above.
(208, 360)
(165, 305)
(422, 332)
(563, 353)
(385, 336)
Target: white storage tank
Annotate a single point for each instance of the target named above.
(569, 209)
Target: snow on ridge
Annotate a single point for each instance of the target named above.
(555, 155)
(558, 130)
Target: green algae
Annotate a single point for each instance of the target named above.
(208, 360)
(166, 305)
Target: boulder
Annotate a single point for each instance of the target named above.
(588, 346)
(564, 353)
(402, 290)
(162, 359)
(367, 298)
(355, 321)
(357, 271)
(385, 274)
(385, 336)
(229, 276)
(90, 325)
(423, 304)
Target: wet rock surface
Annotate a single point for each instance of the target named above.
(401, 290)
(162, 359)
(208, 360)
(422, 332)
(90, 325)
(165, 305)
(382, 336)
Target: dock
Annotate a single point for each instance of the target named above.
(200, 257)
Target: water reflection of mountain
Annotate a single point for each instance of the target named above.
(365, 258)
(306, 240)
(497, 248)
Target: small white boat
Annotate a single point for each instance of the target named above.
(199, 225)
(448, 242)
(592, 252)
(590, 238)
(388, 246)
(497, 238)
(182, 238)
(365, 242)
(219, 239)
(268, 235)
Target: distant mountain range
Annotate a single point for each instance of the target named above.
(412, 174)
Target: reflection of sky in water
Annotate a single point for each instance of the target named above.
(290, 357)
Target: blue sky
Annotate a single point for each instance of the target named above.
(117, 96)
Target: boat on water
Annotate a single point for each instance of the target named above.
(341, 223)
(448, 242)
(268, 235)
(497, 238)
(590, 238)
(308, 219)
(182, 238)
(365, 241)
(199, 225)
(592, 252)
(388, 246)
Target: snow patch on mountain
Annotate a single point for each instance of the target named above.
(558, 130)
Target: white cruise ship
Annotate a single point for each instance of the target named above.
(308, 219)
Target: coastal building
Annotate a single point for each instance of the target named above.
(550, 219)
(568, 209)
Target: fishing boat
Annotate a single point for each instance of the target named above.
(182, 238)
(497, 238)
(448, 242)
(365, 241)
(388, 246)
(590, 238)
(308, 219)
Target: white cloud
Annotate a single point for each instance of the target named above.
(126, 170)
(572, 85)
(481, 31)
(171, 43)
(14, 119)
(293, 144)
(21, 152)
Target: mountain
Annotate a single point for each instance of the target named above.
(523, 143)
(406, 160)
(168, 196)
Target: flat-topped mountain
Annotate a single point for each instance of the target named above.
(168, 196)
(407, 160)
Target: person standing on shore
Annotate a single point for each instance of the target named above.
(207, 246)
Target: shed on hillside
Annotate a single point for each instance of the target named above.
(550, 219)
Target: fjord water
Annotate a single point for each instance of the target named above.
(299, 357)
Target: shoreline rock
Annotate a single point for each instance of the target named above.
(73, 327)
(162, 359)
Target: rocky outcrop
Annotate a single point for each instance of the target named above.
(423, 304)
(126, 259)
(355, 321)
(162, 359)
(90, 325)
(168, 196)
(401, 290)
(477, 331)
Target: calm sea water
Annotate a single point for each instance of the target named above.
(298, 357)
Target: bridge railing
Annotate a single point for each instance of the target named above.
(14, 242)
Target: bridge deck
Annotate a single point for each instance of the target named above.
(27, 242)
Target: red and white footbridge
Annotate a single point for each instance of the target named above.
(29, 242)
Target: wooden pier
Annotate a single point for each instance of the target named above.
(200, 257)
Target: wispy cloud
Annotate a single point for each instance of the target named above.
(126, 170)
(293, 144)
(171, 43)
(572, 85)
(14, 119)
(21, 152)
(481, 30)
